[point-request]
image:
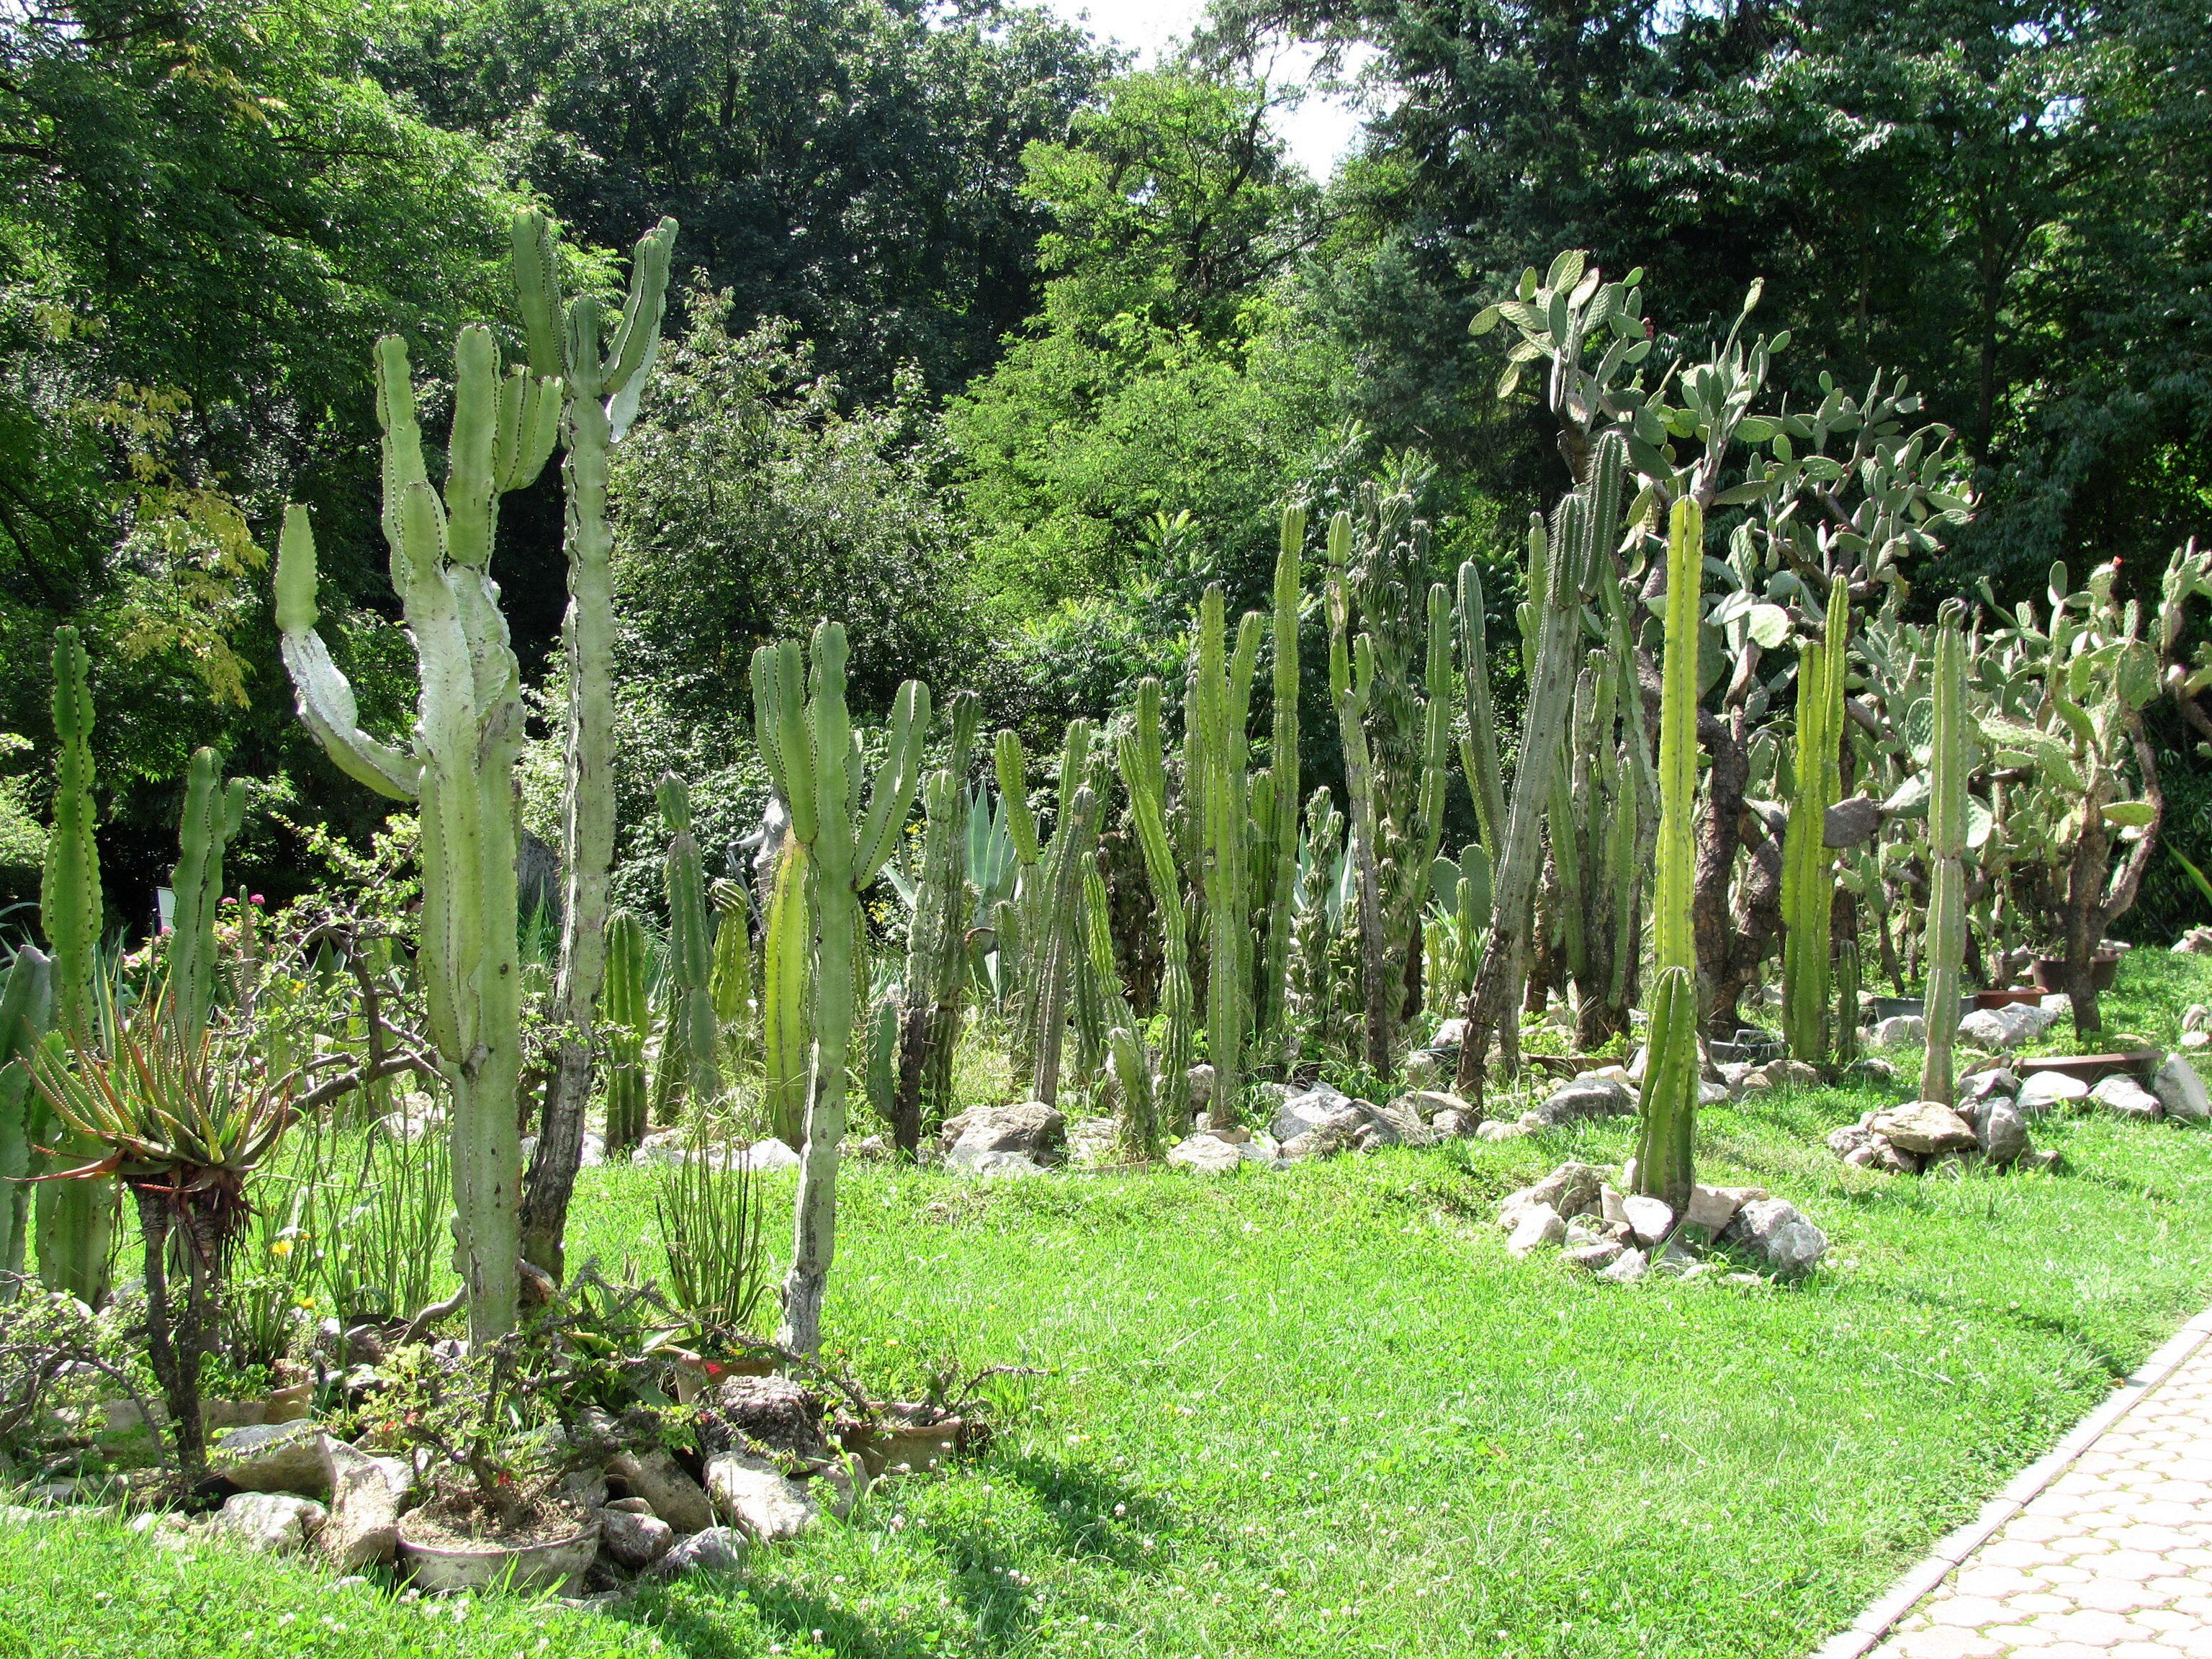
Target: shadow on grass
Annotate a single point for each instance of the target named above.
(1090, 1516)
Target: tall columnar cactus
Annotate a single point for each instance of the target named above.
(1224, 686)
(1809, 868)
(1478, 751)
(806, 738)
(1950, 762)
(1596, 829)
(211, 817)
(1351, 688)
(935, 986)
(1281, 889)
(690, 1049)
(730, 977)
(1313, 1008)
(1011, 767)
(75, 1219)
(1057, 936)
(602, 388)
(460, 765)
(1562, 567)
(1665, 1166)
(628, 1018)
(27, 1009)
(1144, 774)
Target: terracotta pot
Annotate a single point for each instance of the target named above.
(901, 1448)
(691, 1375)
(2005, 998)
(450, 1566)
(2103, 969)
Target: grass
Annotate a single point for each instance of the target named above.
(1323, 1413)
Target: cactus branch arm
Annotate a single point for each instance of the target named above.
(322, 694)
(893, 792)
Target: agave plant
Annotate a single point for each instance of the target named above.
(186, 1119)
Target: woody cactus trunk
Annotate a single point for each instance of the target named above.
(459, 767)
(602, 388)
(806, 735)
(1665, 1149)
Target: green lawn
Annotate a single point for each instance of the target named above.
(1323, 1413)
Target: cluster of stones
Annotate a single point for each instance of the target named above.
(1620, 1238)
(765, 1473)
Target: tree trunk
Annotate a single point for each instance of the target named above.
(181, 1383)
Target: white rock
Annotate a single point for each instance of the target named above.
(1713, 1094)
(1493, 1130)
(1206, 1155)
(2002, 1133)
(367, 1493)
(1317, 1108)
(2195, 1041)
(1980, 1085)
(276, 1523)
(2125, 1098)
(2041, 1091)
(1602, 1254)
(272, 1457)
(1713, 1207)
(1537, 1225)
(1030, 1127)
(711, 1549)
(1899, 1030)
(758, 1498)
(1578, 1101)
(2197, 1017)
(633, 1541)
(980, 1161)
(1649, 1218)
(1627, 1268)
(1778, 1235)
(1924, 1126)
(656, 1477)
(769, 1154)
(2181, 1089)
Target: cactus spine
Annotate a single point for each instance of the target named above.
(807, 742)
(1950, 762)
(1281, 889)
(75, 1219)
(628, 1020)
(1808, 886)
(1144, 774)
(26, 1007)
(212, 815)
(1665, 1167)
(468, 734)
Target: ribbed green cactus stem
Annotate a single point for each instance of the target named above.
(1478, 743)
(693, 1042)
(27, 1010)
(1561, 567)
(1011, 767)
(1060, 938)
(1224, 688)
(75, 1219)
(1808, 884)
(1351, 687)
(211, 815)
(1144, 775)
(1312, 1005)
(1665, 1166)
(601, 394)
(629, 1019)
(808, 745)
(468, 734)
(935, 980)
(1950, 763)
(1281, 890)
(786, 1025)
(730, 976)
(1140, 1122)
(1847, 1001)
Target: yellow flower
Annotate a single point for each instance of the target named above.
(282, 1247)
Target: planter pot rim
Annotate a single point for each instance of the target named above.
(476, 1565)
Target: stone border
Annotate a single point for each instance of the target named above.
(1866, 1631)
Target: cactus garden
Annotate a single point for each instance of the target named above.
(1121, 903)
